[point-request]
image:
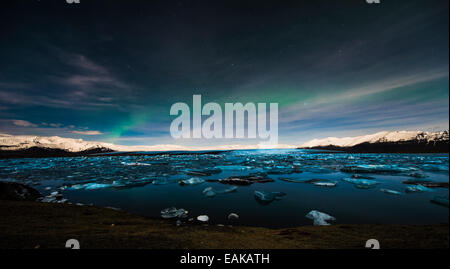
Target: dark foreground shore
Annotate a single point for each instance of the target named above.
(28, 225)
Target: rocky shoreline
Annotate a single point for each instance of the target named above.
(27, 224)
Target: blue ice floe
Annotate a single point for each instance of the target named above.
(211, 192)
(95, 186)
(320, 218)
(325, 184)
(377, 168)
(362, 183)
(265, 197)
(387, 191)
(136, 164)
(418, 188)
(173, 212)
(191, 181)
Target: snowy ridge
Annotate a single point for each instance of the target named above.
(11, 143)
(379, 137)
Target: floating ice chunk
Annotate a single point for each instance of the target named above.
(93, 186)
(440, 200)
(135, 164)
(362, 183)
(265, 197)
(48, 199)
(203, 218)
(299, 180)
(358, 176)
(418, 175)
(228, 190)
(96, 186)
(191, 181)
(434, 167)
(376, 168)
(320, 218)
(173, 212)
(245, 180)
(418, 188)
(427, 183)
(209, 192)
(390, 191)
(204, 172)
(325, 184)
(54, 197)
(233, 167)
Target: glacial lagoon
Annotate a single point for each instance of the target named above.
(269, 188)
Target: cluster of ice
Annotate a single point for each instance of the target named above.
(378, 137)
(320, 218)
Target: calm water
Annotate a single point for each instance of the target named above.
(147, 184)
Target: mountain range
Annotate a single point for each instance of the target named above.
(395, 142)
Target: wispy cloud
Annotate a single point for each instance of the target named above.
(88, 74)
(87, 132)
(23, 123)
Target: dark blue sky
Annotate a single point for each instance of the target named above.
(110, 70)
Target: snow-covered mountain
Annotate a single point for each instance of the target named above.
(11, 142)
(24, 142)
(380, 137)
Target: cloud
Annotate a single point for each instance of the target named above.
(23, 123)
(87, 132)
(88, 74)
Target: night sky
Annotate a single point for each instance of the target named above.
(110, 70)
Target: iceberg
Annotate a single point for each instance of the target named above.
(211, 192)
(427, 183)
(191, 181)
(376, 168)
(264, 197)
(390, 191)
(362, 183)
(325, 184)
(204, 172)
(136, 164)
(173, 212)
(228, 190)
(320, 218)
(245, 180)
(418, 175)
(417, 188)
(203, 218)
(94, 186)
(358, 176)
